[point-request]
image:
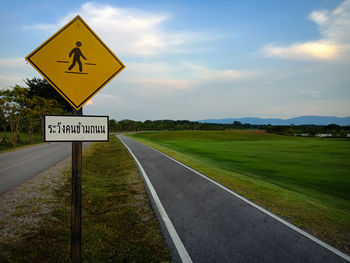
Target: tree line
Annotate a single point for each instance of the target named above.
(332, 130)
(156, 125)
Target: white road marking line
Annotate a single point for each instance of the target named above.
(185, 257)
(300, 231)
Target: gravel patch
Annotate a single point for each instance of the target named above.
(23, 208)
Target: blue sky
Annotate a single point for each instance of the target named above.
(200, 59)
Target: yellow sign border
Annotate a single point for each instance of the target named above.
(77, 107)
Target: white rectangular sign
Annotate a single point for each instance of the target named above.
(63, 128)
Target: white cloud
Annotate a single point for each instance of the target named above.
(162, 85)
(334, 27)
(131, 31)
(202, 73)
(13, 71)
(319, 17)
(309, 50)
(166, 77)
(12, 62)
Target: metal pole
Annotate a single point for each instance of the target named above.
(76, 197)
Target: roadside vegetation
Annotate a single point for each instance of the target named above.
(304, 180)
(22, 111)
(118, 224)
(22, 141)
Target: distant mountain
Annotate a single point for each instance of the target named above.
(302, 120)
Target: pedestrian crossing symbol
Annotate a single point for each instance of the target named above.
(76, 62)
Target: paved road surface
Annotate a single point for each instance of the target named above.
(16, 167)
(216, 226)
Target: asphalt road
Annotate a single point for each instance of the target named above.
(216, 226)
(16, 167)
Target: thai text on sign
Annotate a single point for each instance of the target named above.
(76, 128)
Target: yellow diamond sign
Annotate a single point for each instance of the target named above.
(76, 62)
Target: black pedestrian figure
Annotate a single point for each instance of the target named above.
(76, 52)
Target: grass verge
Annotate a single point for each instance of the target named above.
(303, 180)
(118, 224)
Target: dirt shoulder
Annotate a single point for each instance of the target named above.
(22, 208)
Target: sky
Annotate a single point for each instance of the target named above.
(199, 59)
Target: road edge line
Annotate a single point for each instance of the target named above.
(185, 257)
(295, 228)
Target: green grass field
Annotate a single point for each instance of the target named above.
(305, 180)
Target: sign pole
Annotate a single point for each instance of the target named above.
(76, 197)
(77, 78)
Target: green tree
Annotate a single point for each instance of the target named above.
(3, 119)
(43, 99)
(343, 133)
(41, 88)
(237, 124)
(33, 114)
(41, 106)
(14, 105)
(334, 133)
(112, 125)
